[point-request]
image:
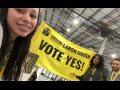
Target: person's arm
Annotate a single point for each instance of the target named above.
(105, 74)
(78, 77)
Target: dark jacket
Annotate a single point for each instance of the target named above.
(99, 75)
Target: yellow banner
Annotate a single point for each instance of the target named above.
(58, 55)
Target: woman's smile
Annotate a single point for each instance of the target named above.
(23, 27)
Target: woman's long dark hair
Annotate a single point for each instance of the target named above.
(101, 61)
(19, 51)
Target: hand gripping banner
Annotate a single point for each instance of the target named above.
(58, 55)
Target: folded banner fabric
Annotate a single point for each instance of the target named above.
(58, 55)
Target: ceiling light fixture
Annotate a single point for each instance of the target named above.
(75, 21)
(113, 55)
(68, 29)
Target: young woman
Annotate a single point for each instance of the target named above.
(19, 25)
(96, 71)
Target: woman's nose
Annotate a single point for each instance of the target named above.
(26, 18)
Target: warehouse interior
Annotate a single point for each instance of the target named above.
(85, 27)
(94, 25)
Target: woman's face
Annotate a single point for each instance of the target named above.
(96, 60)
(22, 21)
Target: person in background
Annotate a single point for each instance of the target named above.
(19, 26)
(114, 74)
(96, 71)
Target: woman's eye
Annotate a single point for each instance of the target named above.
(32, 16)
(19, 10)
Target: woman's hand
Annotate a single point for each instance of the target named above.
(73, 74)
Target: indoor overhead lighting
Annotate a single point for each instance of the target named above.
(75, 21)
(113, 55)
(68, 29)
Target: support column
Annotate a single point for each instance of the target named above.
(103, 46)
(43, 10)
